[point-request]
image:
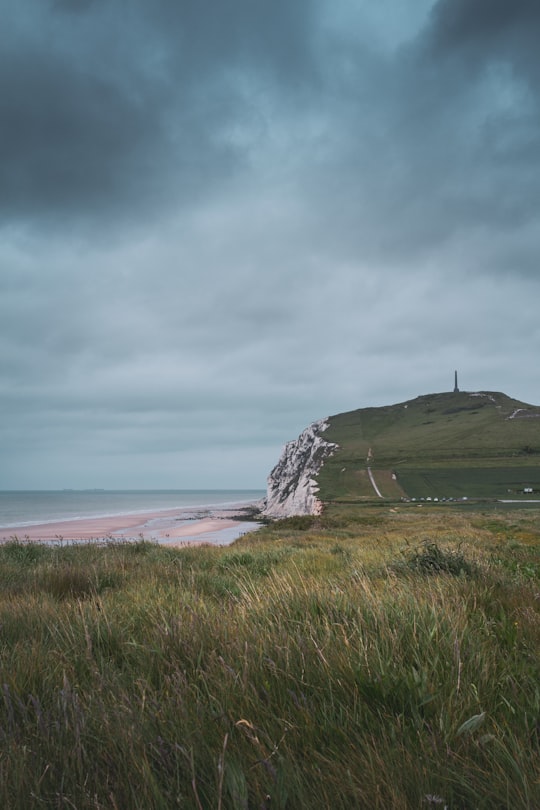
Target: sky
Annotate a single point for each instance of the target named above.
(221, 221)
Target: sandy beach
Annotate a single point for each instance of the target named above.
(174, 527)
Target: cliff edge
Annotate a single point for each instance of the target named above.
(292, 488)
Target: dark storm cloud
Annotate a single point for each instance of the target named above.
(451, 137)
(67, 138)
(488, 23)
(113, 115)
(108, 112)
(467, 42)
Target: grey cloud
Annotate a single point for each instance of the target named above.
(73, 6)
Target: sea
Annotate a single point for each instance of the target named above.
(19, 508)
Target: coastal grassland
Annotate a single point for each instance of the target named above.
(371, 658)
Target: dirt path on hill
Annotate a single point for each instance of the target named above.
(373, 484)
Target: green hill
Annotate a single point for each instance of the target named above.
(450, 445)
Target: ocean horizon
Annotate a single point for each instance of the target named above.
(20, 508)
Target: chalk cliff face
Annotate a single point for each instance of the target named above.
(292, 489)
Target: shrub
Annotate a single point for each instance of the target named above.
(430, 558)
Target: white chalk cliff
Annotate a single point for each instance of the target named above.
(292, 488)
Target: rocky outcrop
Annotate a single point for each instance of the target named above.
(292, 488)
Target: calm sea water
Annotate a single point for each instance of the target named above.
(28, 508)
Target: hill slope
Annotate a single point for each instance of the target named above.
(476, 444)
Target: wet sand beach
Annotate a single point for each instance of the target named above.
(173, 527)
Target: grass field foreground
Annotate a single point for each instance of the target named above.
(377, 658)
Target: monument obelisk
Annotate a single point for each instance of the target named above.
(456, 389)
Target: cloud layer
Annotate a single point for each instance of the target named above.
(220, 222)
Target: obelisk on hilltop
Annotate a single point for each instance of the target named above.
(456, 389)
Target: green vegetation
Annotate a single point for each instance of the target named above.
(438, 445)
(371, 657)
(481, 482)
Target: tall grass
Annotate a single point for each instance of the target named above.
(319, 666)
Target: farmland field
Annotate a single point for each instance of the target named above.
(478, 482)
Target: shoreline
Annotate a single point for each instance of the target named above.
(174, 527)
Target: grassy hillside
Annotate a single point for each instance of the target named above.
(386, 658)
(481, 444)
